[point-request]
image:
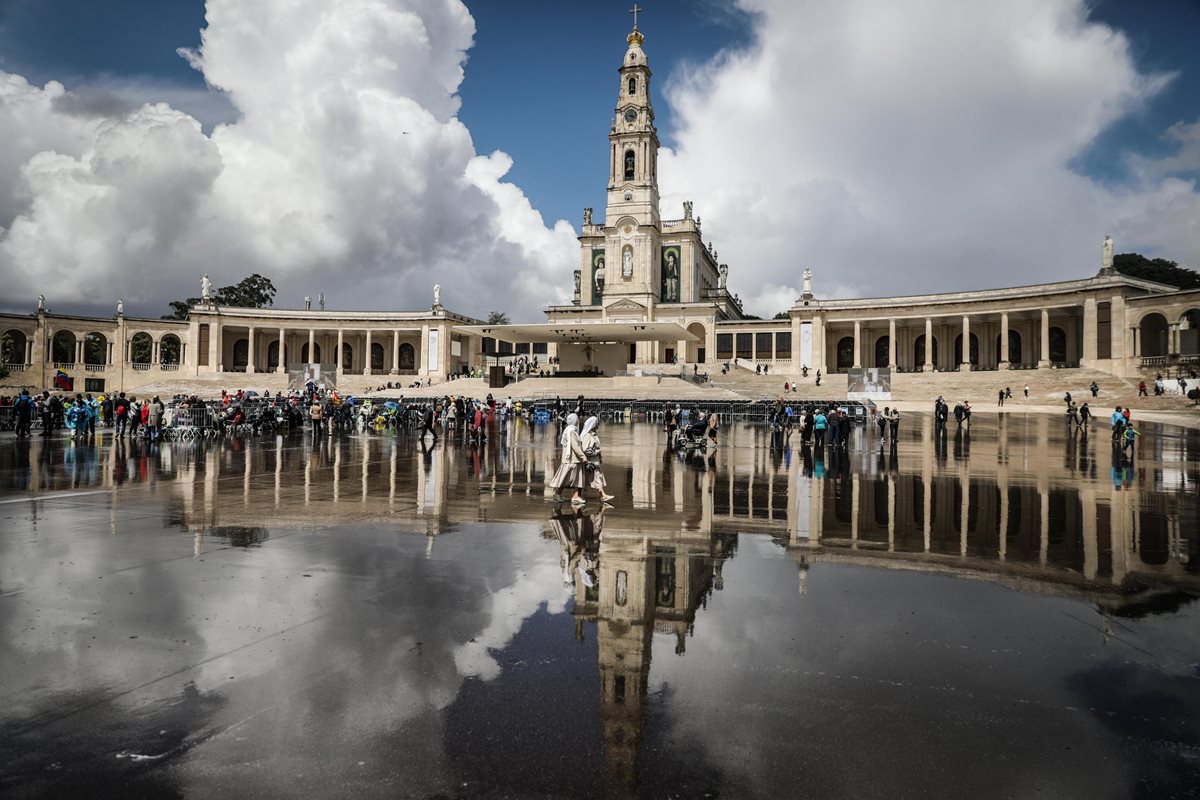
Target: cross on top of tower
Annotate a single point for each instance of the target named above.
(635, 37)
(635, 11)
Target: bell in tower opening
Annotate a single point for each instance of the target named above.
(629, 159)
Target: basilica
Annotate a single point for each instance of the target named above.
(649, 293)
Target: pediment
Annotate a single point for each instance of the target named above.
(626, 306)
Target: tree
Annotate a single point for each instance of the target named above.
(497, 318)
(782, 315)
(1159, 270)
(252, 292)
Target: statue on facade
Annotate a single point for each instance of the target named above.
(722, 275)
(687, 209)
(808, 282)
(437, 295)
(41, 302)
(587, 216)
(1106, 253)
(599, 276)
(627, 263)
(206, 289)
(578, 279)
(120, 306)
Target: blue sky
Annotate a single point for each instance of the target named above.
(887, 147)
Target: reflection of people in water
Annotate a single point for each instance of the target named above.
(579, 543)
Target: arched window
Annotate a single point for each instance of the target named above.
(629, 162)
(273, 355)
(316, 359)
(919, 351)
(377, 355)
(881, 351)
(958, 350)
(633, 86)
(408, 356)
(1058, 345)
(62, 348)
(1152, 334)
(347, 357)
(1014, 347)
(170, 350)
(241, 353)
(12, 347)
(95, 349)
(141, 348)
(845, 353)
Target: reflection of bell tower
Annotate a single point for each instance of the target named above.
(623, 633)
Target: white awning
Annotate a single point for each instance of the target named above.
(584, 332)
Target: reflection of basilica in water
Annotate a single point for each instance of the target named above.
(1023, 506)
(1000, 507)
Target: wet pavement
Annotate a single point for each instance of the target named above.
(1005, 613)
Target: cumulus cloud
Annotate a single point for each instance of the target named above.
(345, 170)
(923, 146)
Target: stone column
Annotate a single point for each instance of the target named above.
(367, 355)
(250, 368)
(928, 345)
(216, 356)
(154, 352)
(965, 366)
(281, 366)
(1044, 356)
(340, 348)
(857, 343)
(818, 344)
(395, 353)
(1090, 324)
(796, 347)
(1003, 340)
(1117, 328)
(423, 354)
(892, 343)
(28, 350)
(78, 350)
(312, 340)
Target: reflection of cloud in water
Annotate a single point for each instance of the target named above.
(535, 585)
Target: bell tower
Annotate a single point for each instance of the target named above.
(633, 140)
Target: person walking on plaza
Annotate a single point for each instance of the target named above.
(23, 409)
(1072, 416)
(570, 473)
(1118, 424)
(714, 425)
(427, 422)
(894, 425)
(1008, 393)
(1000, 399)
(882, 422)
(819, 425)
(1131, 433)
(1027, 391)
(316, 414)
(1095, 389)
(120, 410)
(590, 442)
(154, 418)
(1085, 416)
(1142, 389)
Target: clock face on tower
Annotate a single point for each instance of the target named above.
(630, 115)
